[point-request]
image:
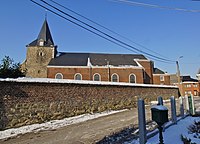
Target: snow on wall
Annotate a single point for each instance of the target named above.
(49, 80)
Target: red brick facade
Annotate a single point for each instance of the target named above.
(190, 88)
(161, 79)
(105, 73)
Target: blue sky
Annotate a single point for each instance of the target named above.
(171, 33)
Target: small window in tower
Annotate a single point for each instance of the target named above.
(41, 53)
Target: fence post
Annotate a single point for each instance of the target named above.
(142, 122)
(160, 100)
(191, 105)
(173, 109)
(181, 106)
(187, 103)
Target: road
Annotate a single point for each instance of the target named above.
(82, 133)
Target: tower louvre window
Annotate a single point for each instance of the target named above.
(41, 43)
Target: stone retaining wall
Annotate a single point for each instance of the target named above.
(23, 103)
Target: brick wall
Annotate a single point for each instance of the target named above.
(23, 103)
(148, 66)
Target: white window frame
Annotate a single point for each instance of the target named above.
(76, 75)
(188, 85)
(98, 75)
(59, 74)
(116, 75)
(195, 85)
(162, 78)
(130, 77)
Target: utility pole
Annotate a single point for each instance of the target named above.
(178, 72)
(179, 75)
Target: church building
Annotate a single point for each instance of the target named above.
(44, 61)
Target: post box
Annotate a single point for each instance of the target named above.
(159, 114)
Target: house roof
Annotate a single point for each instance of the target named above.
(188, 79)
(96, 59)
(174, 79)
(44, 35)
(158, 71)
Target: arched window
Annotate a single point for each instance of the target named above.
(132, 78)
(58, 76)
(115, 78)
(78, 76)
(96, 77)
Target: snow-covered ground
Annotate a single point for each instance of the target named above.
(54, 124)
(172, 135)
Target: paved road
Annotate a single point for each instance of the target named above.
(83, 133)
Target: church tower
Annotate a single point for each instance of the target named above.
(39, 53)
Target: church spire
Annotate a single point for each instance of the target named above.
(44, 38)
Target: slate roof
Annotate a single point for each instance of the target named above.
(158, 71)
(44, 35)
(188, 79)
(96, 59)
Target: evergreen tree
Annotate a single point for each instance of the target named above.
(9, 69)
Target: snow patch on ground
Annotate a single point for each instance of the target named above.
(172, 135)
(54, 124)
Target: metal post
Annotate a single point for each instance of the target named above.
(181, 106)
(173, 109)
(142, 122)
(179, 75)
(160, 134)
(191, 105)
(160, 100)
(178, 72)
(187, 103)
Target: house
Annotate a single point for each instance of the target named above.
(190, 86)
(44, 61)
(160, 77)
(187, 86)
